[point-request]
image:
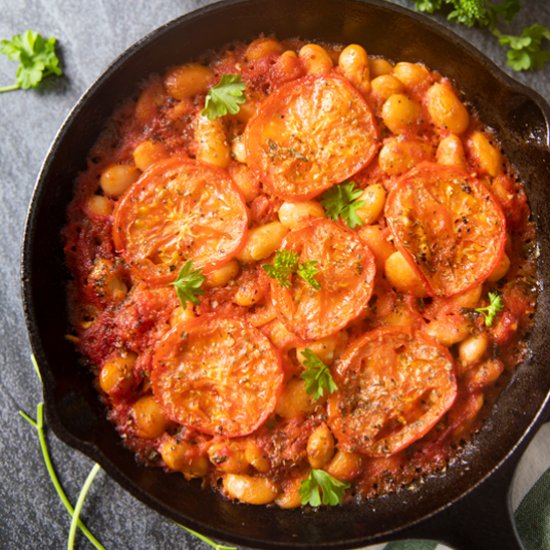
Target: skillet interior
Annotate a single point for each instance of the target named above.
(74, 411)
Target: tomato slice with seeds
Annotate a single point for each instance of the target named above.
(345, 271)
(179, 210)
(218, 375)
(448, 226)
(393, 387)
(310, 134)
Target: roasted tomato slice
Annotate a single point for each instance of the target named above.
(218, 375)
(179, 210)
(448, 226)
(393, 386)
(345, 273)
(310, 134)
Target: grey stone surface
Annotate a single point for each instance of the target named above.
(91, 35)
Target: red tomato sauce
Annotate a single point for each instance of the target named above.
(334, 274)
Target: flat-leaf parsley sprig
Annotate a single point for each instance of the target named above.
(224, 98)
(321, 488)
(285, 263)
(74, 512)
(342, 201)
(524, 50)
(188, 284)
(317, 376)
(495, 306)
(36, 56)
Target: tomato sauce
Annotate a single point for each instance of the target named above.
(335, 273)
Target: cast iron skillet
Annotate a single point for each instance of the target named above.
(467, 506)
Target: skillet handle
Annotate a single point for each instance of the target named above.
(480, 521)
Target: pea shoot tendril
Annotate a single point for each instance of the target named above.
(74, 512)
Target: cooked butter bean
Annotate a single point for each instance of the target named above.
(315, 58)
(374, 197)
(401, 114)
(149, 419)
(116, 373)
(212, 145)
(450, 152)
(445, 109)
(379, 66)
(449, 330)
(486, 156)
(181, 456)
(228, 456)
(402, 276)
(188, 80)
(222, 275)
(262, 47)
(354, 64)
(320, 446)
(326, 349)
(397, 156)
(294, 214)
(294, 400)
(252, 490)
(148, 152)
(256, 457)
(289, 495)
(98, 205)
(117, 178)
(411, 74)
(262, 242)
(472, 349)
(344, 466)
(386, 85)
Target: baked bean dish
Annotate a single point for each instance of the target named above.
(300, 273)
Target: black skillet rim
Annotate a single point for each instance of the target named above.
(91, 450)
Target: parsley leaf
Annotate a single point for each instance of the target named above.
(225, 97)
(470, 13)
(507, 10)
(36, 56)
(524, 51)
(189, 284)
(428, 6)
(489, 312)
(341, 201)
(285, 263)
(317, 376)
(307, 271)
(321, 488)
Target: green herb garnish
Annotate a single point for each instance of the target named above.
(489, 312)
(225, 97)
(341, 201)
(307, 271)
(321, 488)
(205, 539)
(188, 284)
(524, 50)
(317, 377)
(36, 56)
(38, 424)
(285, 263)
